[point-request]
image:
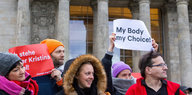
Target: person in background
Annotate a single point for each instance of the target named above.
(186, 90)
(52, 83)
(154, 73)
(122, 79)
(84, 76)
(13, 78)
(56, 50)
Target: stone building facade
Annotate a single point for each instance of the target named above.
(25, 22)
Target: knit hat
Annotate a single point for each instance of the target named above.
(7, 60)
(118, 67)
(52, 44)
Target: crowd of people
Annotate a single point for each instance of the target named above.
(87, 75)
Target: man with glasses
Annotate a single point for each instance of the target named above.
(153, 82)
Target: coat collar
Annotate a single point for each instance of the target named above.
(70, 74)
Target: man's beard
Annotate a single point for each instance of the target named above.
(56, 62)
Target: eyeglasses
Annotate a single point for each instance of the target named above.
(161, 65)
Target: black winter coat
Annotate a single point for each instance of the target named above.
(107, 62)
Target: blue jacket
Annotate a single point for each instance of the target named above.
(47, 85)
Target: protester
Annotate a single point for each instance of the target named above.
(106, 61)
(56, 50)
(85, 76)
(186, 90)
(122, 78)
(153, 82)
(121, 70)
(13, 78)
(52, 83)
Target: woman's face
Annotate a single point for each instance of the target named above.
(18, 73)
(125, 74)
(85, 76)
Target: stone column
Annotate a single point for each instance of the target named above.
(190, 22)
(23, 23)
(144, 13)
(171, 43)
(100, 34)
(134, 7)
(184, 42)
(63, 25)
(94, 9)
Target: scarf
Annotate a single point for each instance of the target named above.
(17, 87)
(30, 85)
(10, 87)
(122, 85)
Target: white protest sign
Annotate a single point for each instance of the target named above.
(132, 35)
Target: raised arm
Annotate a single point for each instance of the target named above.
(107, 62)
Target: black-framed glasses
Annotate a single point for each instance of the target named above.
(159, 65)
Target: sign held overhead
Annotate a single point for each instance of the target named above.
(132, 35)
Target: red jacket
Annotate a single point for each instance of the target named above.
(139, 89)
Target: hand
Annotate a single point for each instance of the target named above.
(155, 45)
(56, 74)
(112, 39)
